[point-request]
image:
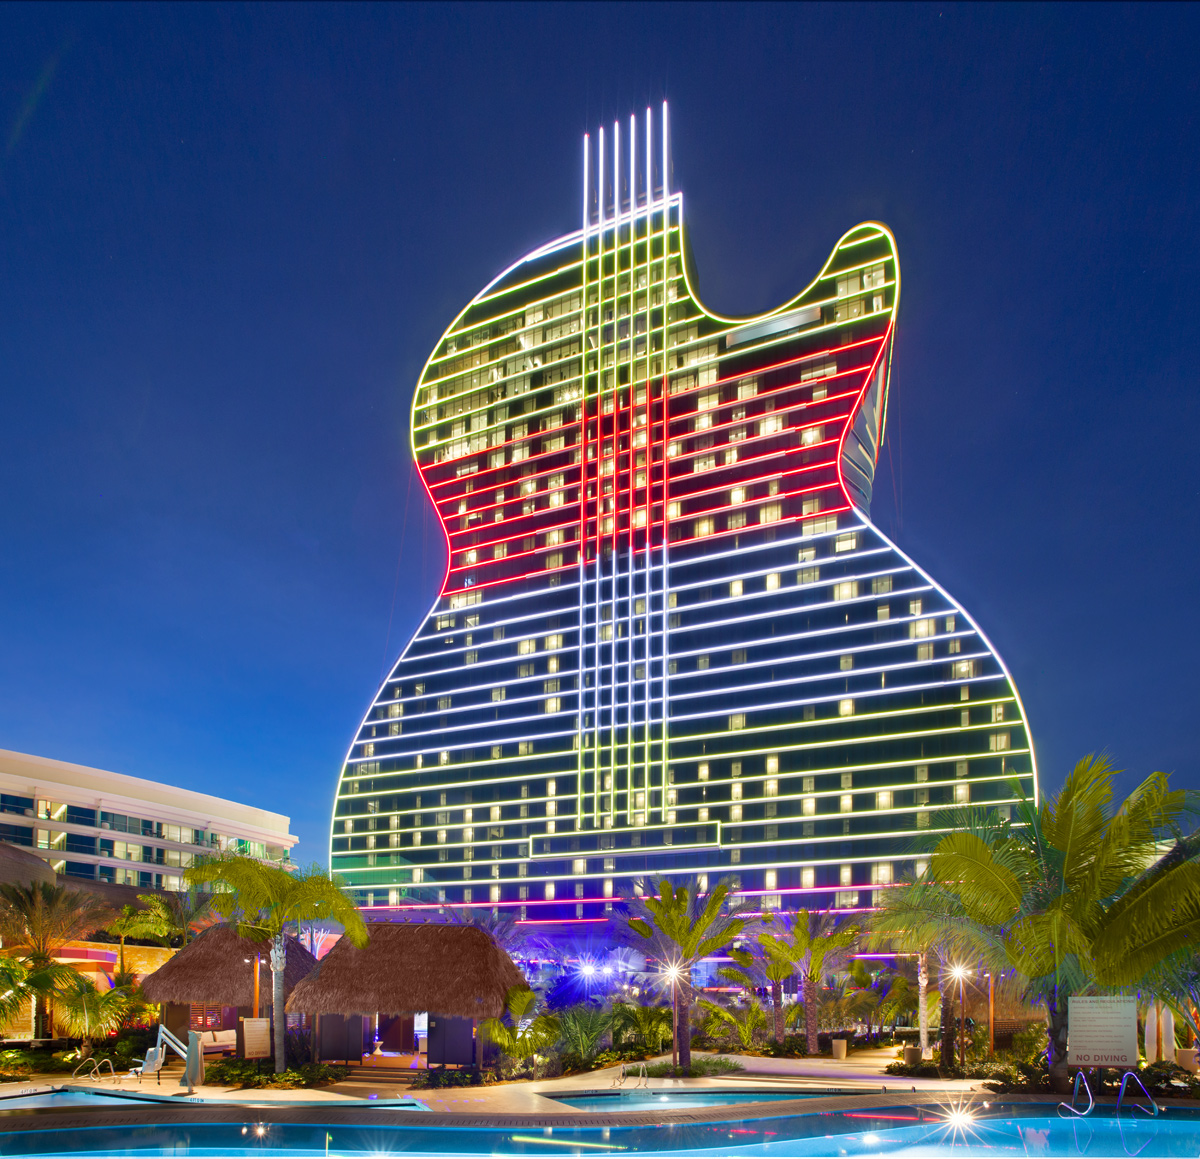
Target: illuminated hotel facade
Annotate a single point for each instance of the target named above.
(669, 640)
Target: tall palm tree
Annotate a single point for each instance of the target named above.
(814, 945)
(756, 967)
(262, 900)
(1076, 893)
(685, 923)
(923, 918)
(14, 987)
(178, 916)
(131, 922)
(37, 920)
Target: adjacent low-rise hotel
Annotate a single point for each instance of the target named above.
(101, 826)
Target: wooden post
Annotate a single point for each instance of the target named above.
(257, 960)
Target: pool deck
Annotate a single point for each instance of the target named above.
(861, 1072)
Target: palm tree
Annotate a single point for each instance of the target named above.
(813, 944)
(756, 966)
(741, 1024)
(524, 1033)
(1075, 893)
(177, 916)
(262, 900)
(684, 924)
(14, 986)
(651, 1024)
(583, 1026)
(88, 1012)
(37, 920)
(131, 922)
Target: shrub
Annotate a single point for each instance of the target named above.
(252, 1073)
(426, 1080)
(703, 1066)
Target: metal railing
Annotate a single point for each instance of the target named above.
(166, 1038)
(627, 1068)
(1154, 1108)
(1070, 1108)
(94, 1074)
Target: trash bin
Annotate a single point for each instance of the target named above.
(839, 1048)
(912, 1055)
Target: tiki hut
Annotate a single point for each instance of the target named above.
(209, 983)
(455, 974)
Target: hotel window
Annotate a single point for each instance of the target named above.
(846, 590)
(845, 663)
(395, 728)
(999, 742)
(847, 542)
(549, 892)
(810, 436)
(914, 607)
(735, 791)
(846, 707)
(526, 647)
(702, 813)
(846, 875)
(997, 713)
(471, 658)
(579, 865)
(883, 612)
(522, 892)
(808, 575)
(881, 585)
(368, 750)
(737, 721)
(735, 588)
(808, 807)
(883, 799)
(552, 643)
(846, 803)
(494, 892)
(770, 513)
(773, 581)
(962, 793)
(735, 813)
(735, 521)
(808, 877)
(920, 629)
(702, 527)
(524, 748)
(441, 836)
(525, 670)
(771, 425)
(771, 788)
(443, 757)
(553, 703)
(702, 771)
(737, 656)
(881, 873)
(954, 646)
(770, 879)
(498, 693)
(773, 763)
(924, 651)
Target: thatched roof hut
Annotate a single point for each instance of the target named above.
(212, 969)
(407, 968)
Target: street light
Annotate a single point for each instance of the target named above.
(672, 973)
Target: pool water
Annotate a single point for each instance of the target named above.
(656, 1099)
(68, 1097)
(1025, 1131)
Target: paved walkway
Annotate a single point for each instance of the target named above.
(862, 1071)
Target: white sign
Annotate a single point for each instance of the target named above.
(256, 1037)
(1102, 1032)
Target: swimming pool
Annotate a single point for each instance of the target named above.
(52, 1098)
(655, 1098)
(905, 1131)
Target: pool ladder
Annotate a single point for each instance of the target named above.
(1080, 1077)
(627, 1068)
(94, 1074)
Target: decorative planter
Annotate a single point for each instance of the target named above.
(912, 1055)
(839, 1048)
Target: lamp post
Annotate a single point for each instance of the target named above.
(960, 973)
(672, 973)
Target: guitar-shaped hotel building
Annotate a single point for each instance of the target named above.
(669, 639)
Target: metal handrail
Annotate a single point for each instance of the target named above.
(638, 1068)
(165, 1037)
(1080, 1077)
(94, 1073)
(1154, 1108)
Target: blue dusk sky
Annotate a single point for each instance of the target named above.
(230, 236)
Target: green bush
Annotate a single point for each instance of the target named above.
(439, 1077)
(703, 1066)
(253, 1073)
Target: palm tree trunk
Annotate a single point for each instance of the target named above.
(810, 1015)
(923, 1000)
(777, 1000)
(685, 1030)
(278, 962)
(1056, 1004)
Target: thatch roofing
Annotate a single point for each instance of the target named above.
(406, 968)
(20, 867)
(212, 969)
